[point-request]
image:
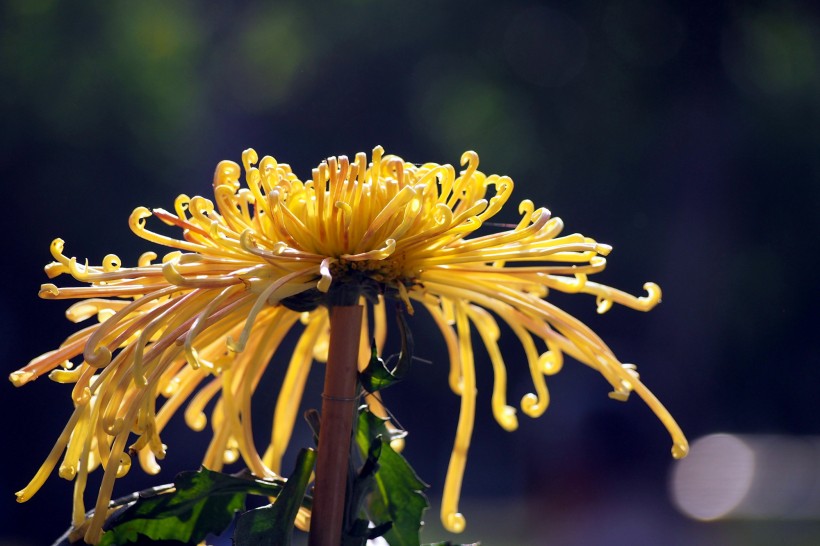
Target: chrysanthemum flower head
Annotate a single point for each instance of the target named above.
(271, 255)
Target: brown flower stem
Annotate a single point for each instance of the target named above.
(338, 409)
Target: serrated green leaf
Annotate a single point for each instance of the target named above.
(272, 525)
(199, 504)
(398, 496)
(378, 375)
(358, 489)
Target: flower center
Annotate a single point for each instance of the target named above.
(354, 278)
(387, 272)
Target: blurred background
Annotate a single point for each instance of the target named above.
(685, 134)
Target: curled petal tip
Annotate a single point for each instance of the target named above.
(124, 466)
(454, 523)
(20, 378)
(620, 396)
(140, 213)
(526, 207)
(196, 422)
(145, 259)
(551, 362)
(508, 419)
(111, 262)
(22, 495)
(54, 269)
(532, 406)
(653, 296)
(227, 173)
(65, 376)
(680, 449)
(249, 157)
(604, 305)
(57, 246)
(48, 291)
(231, 455)
(603, 249)
(469, 157)
(99, 357)
(81, 398)
(597, 261)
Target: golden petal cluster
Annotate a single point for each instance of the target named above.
(269, 256)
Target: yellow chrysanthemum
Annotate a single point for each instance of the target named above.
(251, 264)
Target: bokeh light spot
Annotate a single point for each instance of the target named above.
(715, 477)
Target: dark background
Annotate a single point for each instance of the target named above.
(685, 134)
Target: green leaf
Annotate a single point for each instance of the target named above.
(272, 525)
(199, 503)
(398, 493)
(378, 375)
(358, 489)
